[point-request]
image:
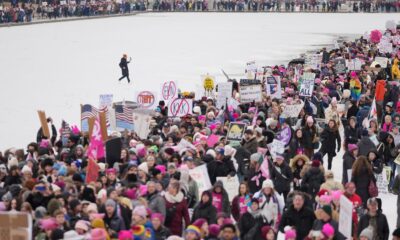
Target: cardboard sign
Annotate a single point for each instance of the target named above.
(236, 131)
(15, 226)
(200, 176)
(382, 61)
(185, 144)
(273, 87)
(345, 217)
(224, 93)
(231, 185)
(113, 151)
(180, 107)
(292, 111)
(169, 91)
(103, 125)
(251, 67)
(340, 66)
(251, 93)
(44, 124)
(44, 4)
(208, 82)
(106, 100)
(307, 85)
(141, 123)
(146, 99)
(354, 65)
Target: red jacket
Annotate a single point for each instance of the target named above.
(380, 90)
(179, 211)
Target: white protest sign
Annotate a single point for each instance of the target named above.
(381, 182)
(147, 99)
(141, 124)
(292, 111)
(345, 217)
(106, 100)
(231, 185)
(233, 102)
(185, 144)
(169, 91)
(251, 67)
(273, 86)
(224, 93)
(349, 173)
(250, 93)
(307, 84)
(200, 176)
(63, 2)
(276, 147)
(44, 4)
(180, 107)
(354, 64)
(381, 61)
(313, 61)
(385, 46)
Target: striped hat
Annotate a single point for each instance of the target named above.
(194, 229)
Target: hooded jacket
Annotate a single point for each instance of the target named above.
(205, 210)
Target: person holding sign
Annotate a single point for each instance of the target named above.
(123, 64)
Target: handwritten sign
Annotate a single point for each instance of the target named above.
(340, 66)
(224, 93)
(231, 185)
(292, 111)
(200, 176)
(345, 217)
(273, 87)
(307, 85)
(382, 61)
(251, 93)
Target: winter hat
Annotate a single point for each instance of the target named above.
(194, 229)
(81, 224)
(327, 209)
(279, 157)
(77, 178)
(12, 162)
(322, 192)
(132, 143)
(161, 168)
(199, 222)
(310, 119)
(111, 202)
(229, 151)
(125, 235)
(328, 230)
(111, 171)
(352, 147)
(157, 216)
(318, 156)
(40, 212)
(57, 234)
(140, 211)
(169, 151)
(315, 163)
(326, 199)
(368, 233)
(73, 235)
(329, 174)
(290, 233)
(256, 157)
(197, 110)
(143, 167)
(365, 133)
(336, 195)
(265, 230)
(48, 224)
(268, 184)
(346, 93)
(213, 230)
(98, 234)
(26, 169)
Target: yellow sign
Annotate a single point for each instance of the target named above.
(208, 83)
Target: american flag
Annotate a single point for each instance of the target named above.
(88, 111)
(124, 117)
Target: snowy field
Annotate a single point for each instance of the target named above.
(56, 67)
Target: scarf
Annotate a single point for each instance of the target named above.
(174, 199)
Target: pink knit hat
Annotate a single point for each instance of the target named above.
(157, 216)
(352, 147)
(161, 168)
(141, 211)
(98, 234)
(199, 222)
(48, 224)
(325, 199)
(125, 235)
(289, 234)
(328, 230)
(336, 195)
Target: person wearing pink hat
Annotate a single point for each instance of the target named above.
(290, 234)
(349, 158)
(98, 234)
(160, 231)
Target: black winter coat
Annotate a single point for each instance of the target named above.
(301, 220)
(115, 223)
(251, 145)
(362, 180)
(348, 161)
(282, 176)
(206, 211)
(250, 227)
(365, 146)
(254, 185)
(220, 169)
(123, 64)
(382, 225)
(330, 141)
(309, 134)
(352, 135)
(162, 233)
(312, 181)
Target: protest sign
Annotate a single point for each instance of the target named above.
(251, 67)
(169, 91)
(233, 102)
(180, 107)
(231, 185)
(212, 140)
(381, 182)
(292, 111)
(274, 87)
(285, 135)
(106, 100)
(276, 147)
(200, 176)
(236, 131)
(251, 93)
(15, 226)
(345, 216)
(208, 82)
(313, 61)
(141, 124)
(354, 65)
(147, 99)
(340, 66)
(382, 61)
(184, 144)
(224, 93)
(44, 124)
(307, 85)
(249, 82)
(385, 46)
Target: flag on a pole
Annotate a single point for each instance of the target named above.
(88, 111)
(96, 146)
(373, 113)
(124, 117)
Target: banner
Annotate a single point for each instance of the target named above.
(285, 135)
(92, 171)
(95, 150)
(340, 66)
(231, 185)
(224, 93)
(180, 107)
(273, 86)
(106, 100)
(307, 85)
(200, 176)
(251, 93)
(292, 111)
(236, 131)
(141, 124)
(345, 216)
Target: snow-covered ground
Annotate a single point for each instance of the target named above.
(56, 67)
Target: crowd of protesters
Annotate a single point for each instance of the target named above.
(147, 193)
(27, 12)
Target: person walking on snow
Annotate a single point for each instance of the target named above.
(124, 67)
